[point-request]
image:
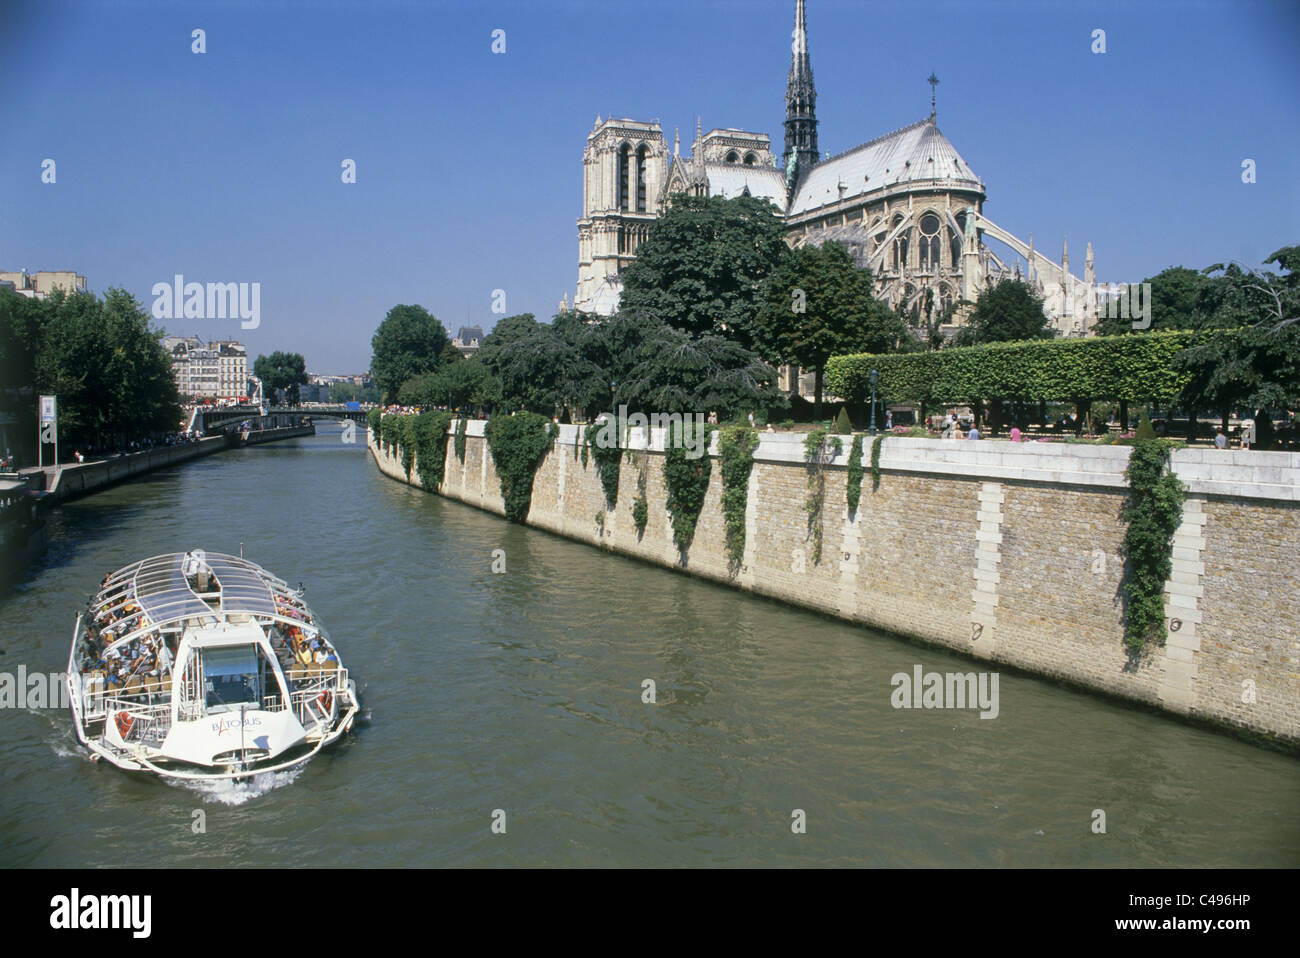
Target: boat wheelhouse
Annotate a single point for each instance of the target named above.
(202, 665)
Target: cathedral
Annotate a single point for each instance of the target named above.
(905, 204)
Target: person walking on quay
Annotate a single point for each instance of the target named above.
(751, 420)
(974, 432)
(1015, 433)
(1247, 433)
(1220, 440)
(889, 420)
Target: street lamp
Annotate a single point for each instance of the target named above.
(874, 377)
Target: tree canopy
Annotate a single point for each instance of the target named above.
(408, 343)
(112, 376)
(701, 266)
(1249, 354)
(817, 304)
(1008, 312)
(281, 372)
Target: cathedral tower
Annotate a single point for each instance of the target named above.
(623, 166)
(800, 104)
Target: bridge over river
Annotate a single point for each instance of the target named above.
(213, 419)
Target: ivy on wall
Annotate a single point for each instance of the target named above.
(462, 425)
(428, 432)
(736, 445)
(608, 461)
(875, 461)
(1153, 513)
(640, 507)
(819, 449)
(687, 481)
(372, 421)
(390, 432)
(853, 491)
(517, 444)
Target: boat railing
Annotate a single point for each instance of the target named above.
(315, 696)
(139, 721)
(99, 698)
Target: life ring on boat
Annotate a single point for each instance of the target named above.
(326, 701)
(125, 721)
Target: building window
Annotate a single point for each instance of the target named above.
(751, 159)
(733, 157)
(900, 245)
(640, 178)
(929, 241)
(624, 176)
(945, 299)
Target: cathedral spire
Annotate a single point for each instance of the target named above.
(800, 103)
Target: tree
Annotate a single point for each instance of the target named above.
(1248, 355)
(101, 358)
(282, 371)
(1175, 303)
(674, 372)
(408, 343)
(701, 267)
(1009, 312)
(817, 304)
(463, 383)
(350, 392)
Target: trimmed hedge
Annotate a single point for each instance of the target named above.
(1135, 367)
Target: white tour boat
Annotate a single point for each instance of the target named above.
(205, 666)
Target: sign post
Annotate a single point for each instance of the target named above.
(47, 430)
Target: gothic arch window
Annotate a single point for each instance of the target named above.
(751, 159)
(954, 241)
(929, 248)
(900, 245)
(733, 157)
(945, 298)
(641, 152)
(624, 176)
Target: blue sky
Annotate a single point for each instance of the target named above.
(225, 166)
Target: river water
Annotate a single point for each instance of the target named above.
(518, 698)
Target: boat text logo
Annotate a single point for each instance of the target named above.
(221, 725)
(181, 300)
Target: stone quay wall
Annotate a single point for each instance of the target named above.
(73, 480)
(1007, 552)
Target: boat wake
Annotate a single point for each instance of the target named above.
(230, 792)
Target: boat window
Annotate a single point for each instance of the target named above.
(231, 677)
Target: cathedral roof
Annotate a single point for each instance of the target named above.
(732, 180)
(915, 153)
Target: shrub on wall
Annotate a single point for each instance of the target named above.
(736, 445)
(372, 421)
(517, 444)
(854, 488)
(1153, 513)
(687, 481)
